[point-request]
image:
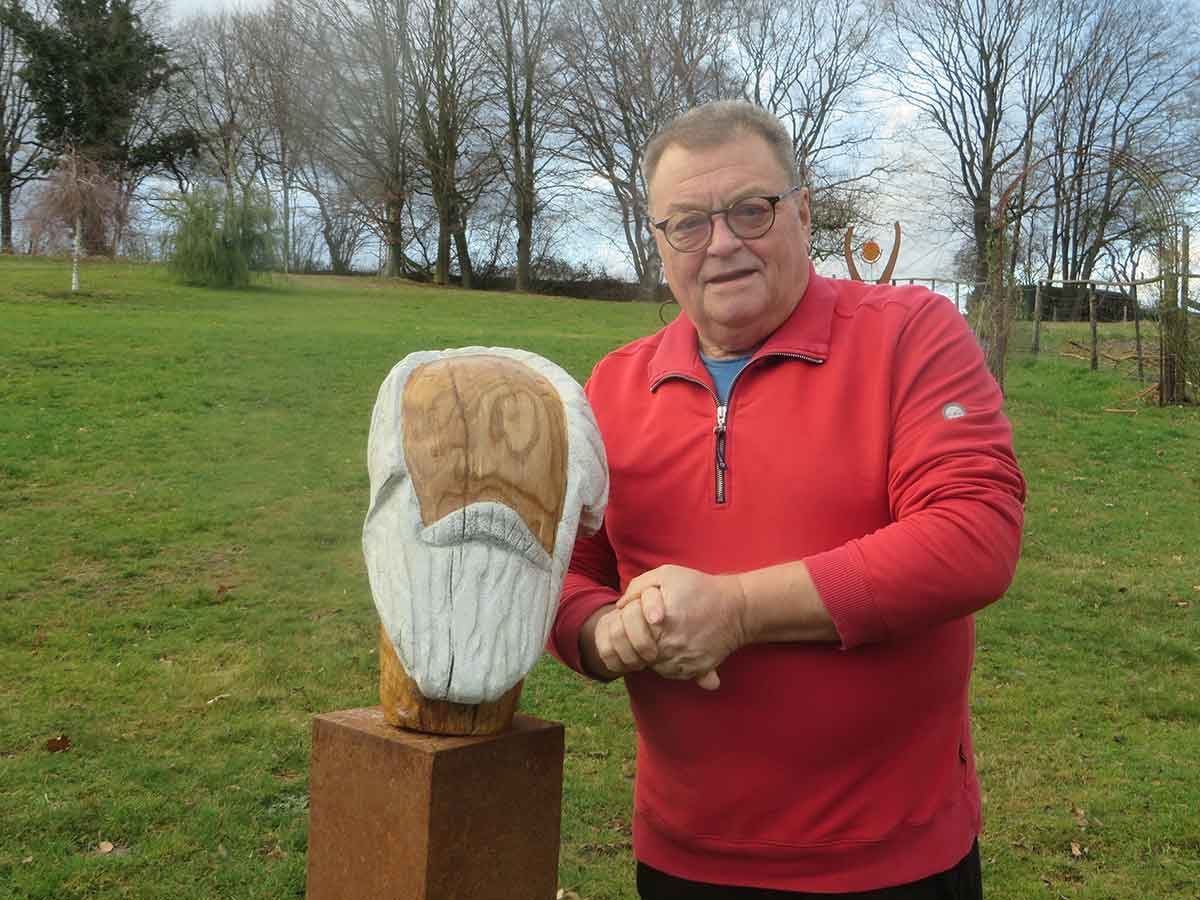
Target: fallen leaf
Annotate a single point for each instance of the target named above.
(59, 744)
(225, 588)
(1076, 850)
(27, 860)
(1182, 604)
(1080, 816)
(222, 852)
(105, 847)
(215, 699)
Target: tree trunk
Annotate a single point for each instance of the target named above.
(6, 217)
(524, 240)
(76, 251)
(394, 211)
(650, 280)
(287, 217)
(994, 323)
(441, 271)
(464, 257)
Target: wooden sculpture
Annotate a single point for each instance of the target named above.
(484, 463)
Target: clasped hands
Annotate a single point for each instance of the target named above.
(679, 622)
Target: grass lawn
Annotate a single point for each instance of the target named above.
(182, 486)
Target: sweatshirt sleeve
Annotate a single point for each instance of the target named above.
(590, 583)
(955, 494)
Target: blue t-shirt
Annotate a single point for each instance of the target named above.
(723, 371)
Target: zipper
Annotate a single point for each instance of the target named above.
(721, 429)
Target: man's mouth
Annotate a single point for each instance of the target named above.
(728, 277)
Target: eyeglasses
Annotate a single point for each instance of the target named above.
(691, 230)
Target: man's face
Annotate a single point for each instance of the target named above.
(736, 292)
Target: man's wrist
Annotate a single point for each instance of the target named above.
(734, 588)
(589, 655)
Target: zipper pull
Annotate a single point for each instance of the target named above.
(720, 426)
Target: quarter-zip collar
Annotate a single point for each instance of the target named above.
(805, 334)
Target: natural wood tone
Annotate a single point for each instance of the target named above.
(482, 428)
(405, 707)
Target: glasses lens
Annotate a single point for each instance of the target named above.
(689, 230)
(751, 218)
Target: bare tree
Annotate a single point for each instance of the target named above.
(811, 67)
(983, 73)
(77, 188)
(520, 56)
(19, 155)
(357, 108)
(275, 75)
(217, 103)
(1125, 105)
(626, 68)
(446, 75)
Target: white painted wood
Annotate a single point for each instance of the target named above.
(468, 601)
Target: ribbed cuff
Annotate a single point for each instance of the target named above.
(564, 637)
(839, 576)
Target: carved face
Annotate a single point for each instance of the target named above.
(477, 491)
(486, 429)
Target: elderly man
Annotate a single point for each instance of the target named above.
(812, 490)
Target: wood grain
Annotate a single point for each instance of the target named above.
(482, 428)
(405, 707)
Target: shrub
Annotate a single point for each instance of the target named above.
(218, 241)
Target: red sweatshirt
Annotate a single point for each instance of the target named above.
(865, 437)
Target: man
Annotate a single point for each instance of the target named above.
(812, 488)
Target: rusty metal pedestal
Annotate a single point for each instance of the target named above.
(406, 816)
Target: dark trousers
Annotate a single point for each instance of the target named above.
(963, 882)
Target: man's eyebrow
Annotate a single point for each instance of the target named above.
(736, 197)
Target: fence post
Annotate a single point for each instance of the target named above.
(1092, 319)
(1184, 366)
(1137, 329)
(1037, 319)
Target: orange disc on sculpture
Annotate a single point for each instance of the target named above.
(871, 251)
(405, 707)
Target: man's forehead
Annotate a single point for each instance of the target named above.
(741, 166)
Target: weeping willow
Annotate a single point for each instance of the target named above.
(220, 241)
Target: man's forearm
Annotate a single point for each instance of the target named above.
(780, 604)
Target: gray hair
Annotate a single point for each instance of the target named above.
(716, 123)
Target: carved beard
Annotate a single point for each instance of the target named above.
(468, 601)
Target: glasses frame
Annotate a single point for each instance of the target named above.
(773, 199)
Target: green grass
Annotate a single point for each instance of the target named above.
(182, 484)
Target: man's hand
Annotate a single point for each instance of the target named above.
(698, 620)
(626, 640)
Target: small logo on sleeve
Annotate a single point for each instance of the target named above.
(953, 411)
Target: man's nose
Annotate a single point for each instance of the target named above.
(723, 239)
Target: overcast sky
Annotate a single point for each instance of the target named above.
(926, 251)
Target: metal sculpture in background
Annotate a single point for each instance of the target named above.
(871, 252)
